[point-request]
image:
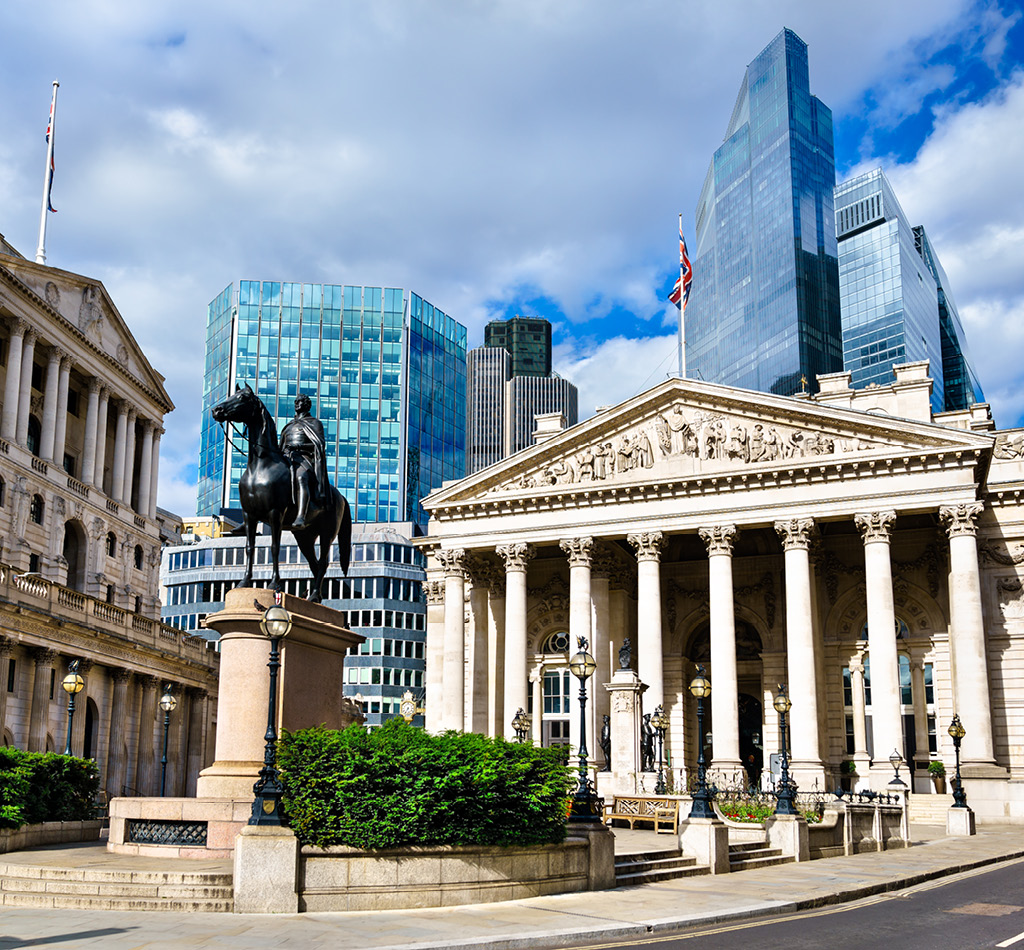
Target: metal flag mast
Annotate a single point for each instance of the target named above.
(47, 178)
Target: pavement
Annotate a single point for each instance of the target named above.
(561, 920)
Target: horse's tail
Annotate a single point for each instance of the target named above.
(344, 533)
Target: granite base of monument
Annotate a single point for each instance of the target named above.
(310, 694)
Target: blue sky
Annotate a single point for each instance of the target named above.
(496, 156)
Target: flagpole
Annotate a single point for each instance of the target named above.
(682, 310)
(47, 178)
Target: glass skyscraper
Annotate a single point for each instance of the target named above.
(386, 372)
(895, 302)
(763, 313)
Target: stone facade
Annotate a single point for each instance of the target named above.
(849, 544)
(80, 424)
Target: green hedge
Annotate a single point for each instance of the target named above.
(398, 786)
(43, 786)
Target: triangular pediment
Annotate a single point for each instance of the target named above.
(85, 310)
(685, 429)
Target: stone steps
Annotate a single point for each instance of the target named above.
(929, 809)
(744, 857)
(105, 889)
(653, 866)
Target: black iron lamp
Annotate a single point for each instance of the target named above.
(72, 684)
(896, 760)
(660, 723)
(956, 733)
(700, 689)
(521, 724)
(266, 809)
(585, 802)
(785, 801)
(168, 703)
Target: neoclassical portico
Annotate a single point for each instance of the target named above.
(771, 539)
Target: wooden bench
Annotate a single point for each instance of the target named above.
(634, 808)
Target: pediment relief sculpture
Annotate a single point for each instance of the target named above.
(683, 441)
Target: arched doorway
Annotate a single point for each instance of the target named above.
(74, 554)
(91, 718)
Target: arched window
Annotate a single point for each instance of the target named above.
(557, 642)
(36, 509)
(138, 556)
(111, 544)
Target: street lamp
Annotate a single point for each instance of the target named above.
(700, 688)
(167, 704)
(72, 684)
(660, 722)
(521, 724)
(957, 732)
(584, 805)
(266, 809)
(785, 802)
(896, 760)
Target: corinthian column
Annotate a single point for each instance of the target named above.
(145, 468)
(649, 546)
(145, 773)
(129, 459)
(801, 652)
(49, 427)
(61, 431)
(434, 713)
(967, 633)
(28, 353)
(516, 557)
(579, 552)
(91, 426)
(6, 649)
(886, 722)
(496, 654)
(725, 705)
(12, 387)
(101, 438)
(117, 761)
(860, 728)
(453, 705)
(154, 476)
(39, 713)
(120, 444)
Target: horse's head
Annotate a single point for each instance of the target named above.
(241, 406)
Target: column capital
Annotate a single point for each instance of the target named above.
(6, 646)
(875, 525)
(484, 573)
(57, 355)
(516, 556)
(434, 591)
(796, 534)
(66, 362)
(84, 666)
(18, 326)
(578, 550)
(43, 656)
(145, 680)
(959, 520)
(95, 385)
(119, 674)
(30, 336)
(453, 561)
(648, 545)
(857, 665)
(718, 538)
(133, 414)
(196, 693)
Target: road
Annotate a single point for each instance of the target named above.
(979, 909)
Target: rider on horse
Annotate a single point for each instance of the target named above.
(303, 446)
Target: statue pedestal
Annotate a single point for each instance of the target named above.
(626, 690)
(309, 694)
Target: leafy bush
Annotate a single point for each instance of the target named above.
(935, 767)
(849, 767)
(43, 786)
(398, 786)
(746, 809)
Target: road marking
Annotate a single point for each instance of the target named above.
(1011, 941)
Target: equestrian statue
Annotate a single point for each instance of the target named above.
(285, 485)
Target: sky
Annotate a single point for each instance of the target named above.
(498, 157)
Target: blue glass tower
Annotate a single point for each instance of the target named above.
(764, 309)
(386, 372)
(895, 302)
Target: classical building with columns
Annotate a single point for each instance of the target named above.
(850, 545)
(80, 427)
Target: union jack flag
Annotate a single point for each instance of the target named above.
(681, 292)
(49, 186)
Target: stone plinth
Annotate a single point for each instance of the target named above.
(310, 681)
(707, 841)
(789, 834)
(960, 821)
(625, 711)
(266, 871)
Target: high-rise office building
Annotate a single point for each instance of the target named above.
(386, 372)
(764, 309)
(528, 342)
(489, 369)
(530, 396)
(896, 307)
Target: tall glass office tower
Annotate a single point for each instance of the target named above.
(386, 372)
(764, 309)
(896, 304)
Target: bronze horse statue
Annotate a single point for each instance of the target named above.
(265, 491)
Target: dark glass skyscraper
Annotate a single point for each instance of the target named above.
(764, 310)
(528, 342)
(386, 371)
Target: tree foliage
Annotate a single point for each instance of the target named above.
(44, 786)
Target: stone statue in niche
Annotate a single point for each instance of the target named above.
(626, 655)
(646, 744)
(606, 743)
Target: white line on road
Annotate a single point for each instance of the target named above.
(1011, 941)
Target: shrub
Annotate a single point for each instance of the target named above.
(43, 786)
(849, 767)
(746, 809)
(935, 767)
(398, 786)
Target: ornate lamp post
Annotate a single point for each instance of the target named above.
(584, 804)
(266, 809)
(956, 733)
(700, 688)
(660, 722)
(896, 760)
(521, 724)
(785, 802)
(168, 702)
(72, 684)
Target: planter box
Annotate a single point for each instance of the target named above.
(50, 832)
